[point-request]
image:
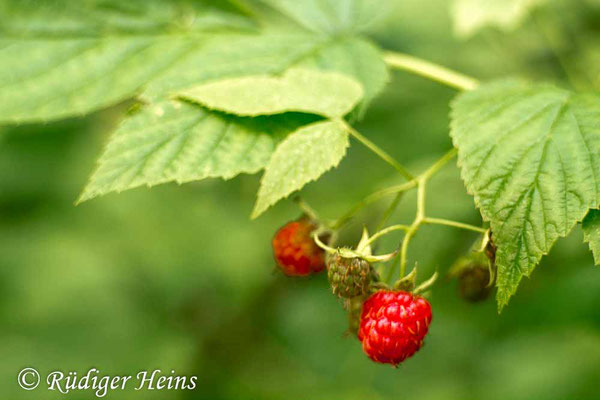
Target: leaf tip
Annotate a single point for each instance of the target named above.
(258, 210)
(83, 197)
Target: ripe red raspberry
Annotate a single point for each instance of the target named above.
(296, 253)
(393, 325)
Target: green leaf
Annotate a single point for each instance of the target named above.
(328, 94)
(45, 79)
(104, 71)
(63, 59)
(231, 56)
(302, 157)
(530, 154)
(470, 16)
(94, 18)
(335, 16)
(355, 57)
(591, 233)
(174, 141)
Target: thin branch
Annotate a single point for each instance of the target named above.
(373, 197)
(377, 150)
(439, 164)
(430, 70)
(459, 225)
(387, 230)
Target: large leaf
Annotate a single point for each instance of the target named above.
(470, 16)
(44, 79)
(327, 94)
(234, 55)
(94, 18)
(302, 157)
(62, 59)
(530, 154)
(65, 59)
(174, 141)
(591, 233)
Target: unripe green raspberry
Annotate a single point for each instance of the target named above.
(349, 277)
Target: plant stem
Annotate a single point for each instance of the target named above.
(421, 190)
(322, 245)
(430, 70)
(439, 164)
(394, 189)
(404, 250)
(388, 212)
(370, 199)
(390, 274)
(306, 209)
(387, 230)
(459, 225)
(377, 150)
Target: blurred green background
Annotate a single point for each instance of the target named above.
(178, 277)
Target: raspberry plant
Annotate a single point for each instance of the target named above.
(232, 87)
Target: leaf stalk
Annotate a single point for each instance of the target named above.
(429, 70)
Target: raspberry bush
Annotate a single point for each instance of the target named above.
(278, 86)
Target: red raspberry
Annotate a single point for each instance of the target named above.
(295, 251)
(393, 325)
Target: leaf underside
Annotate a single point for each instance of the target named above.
(530, 154)
(328, 94)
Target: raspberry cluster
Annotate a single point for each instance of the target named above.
(391, 324)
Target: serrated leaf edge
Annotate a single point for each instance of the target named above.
(256, 213)
(476, 198)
